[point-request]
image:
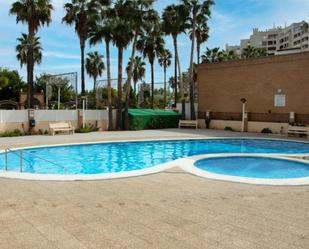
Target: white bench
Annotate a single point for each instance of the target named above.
(298, 130)
(61, 127)
(188, 123)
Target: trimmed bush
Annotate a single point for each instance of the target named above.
(266, 131)
(14, 133)
(87, 129)
(228, 128)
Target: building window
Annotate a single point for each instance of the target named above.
(280, 100)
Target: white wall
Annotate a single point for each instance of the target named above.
(96, 115)
(55, 115)
(18, 119)
(13, 116)
(188, 111)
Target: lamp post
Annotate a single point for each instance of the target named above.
(243, 101)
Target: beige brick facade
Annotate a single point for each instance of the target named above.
(222, 85)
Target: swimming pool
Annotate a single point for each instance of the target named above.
(255, 167)
(117, 157)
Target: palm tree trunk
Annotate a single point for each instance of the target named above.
(109, 87)
(94, 91)
(192, 109)
(182, 94)
(175, 75)
(82, 49)
(134, 88)
(30, 67)
(152, 85)
(128, 87)
(198, 50)
(119, 99)
(164, 87)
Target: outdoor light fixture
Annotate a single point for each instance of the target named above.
(243, 101)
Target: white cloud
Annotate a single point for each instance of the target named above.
(61, 55)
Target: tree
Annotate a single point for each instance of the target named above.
(249, 52)
(197, 11)
(122, 36)
(151, 44)
(138, 72)
(165, 60)
(4, 81)
(95, 67)
(212, 55)
(67, 91)
(252, 52)
(217, 55)
(22, 50)
(34, 13)
(174, 23)
(10, 84)
(102, 30)
(202, 35)
(140, 13)
(229, 55)
(82, 14)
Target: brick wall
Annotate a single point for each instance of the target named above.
(222, 85)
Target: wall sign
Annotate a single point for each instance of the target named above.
(280, 100)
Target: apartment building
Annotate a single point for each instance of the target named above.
(278, 40)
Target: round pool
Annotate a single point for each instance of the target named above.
(132, 158)
(255, 167)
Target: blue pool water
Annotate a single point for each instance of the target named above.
(254, 167)
(128, 156)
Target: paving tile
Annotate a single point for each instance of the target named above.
(162, 211)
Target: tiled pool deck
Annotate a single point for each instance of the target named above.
(172, 209)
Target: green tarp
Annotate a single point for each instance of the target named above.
(141, 119)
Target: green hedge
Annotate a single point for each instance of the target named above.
(141, 119)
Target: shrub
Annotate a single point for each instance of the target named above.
(87, 129)
(228, 128)
(266, 131)
(14, 133)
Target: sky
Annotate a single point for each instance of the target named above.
(231, 21)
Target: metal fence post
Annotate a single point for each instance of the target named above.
(21, 161)
(6, 159)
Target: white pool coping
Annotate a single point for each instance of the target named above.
(184, 163)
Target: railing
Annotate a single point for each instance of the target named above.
(20, 154)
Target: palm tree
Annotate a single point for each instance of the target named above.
(22, 50)
(151, 44)
(35, 13)
(174, 23)
(212, 55)
(101, 31)
(249, 52)
(95, 67)
(165, 60)
(122, 36)
(253, 52)
(260, 52)
(82, 14)
(138, 72)
(197, 11)
(229, 55)
(202, 35)
(140, 13)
